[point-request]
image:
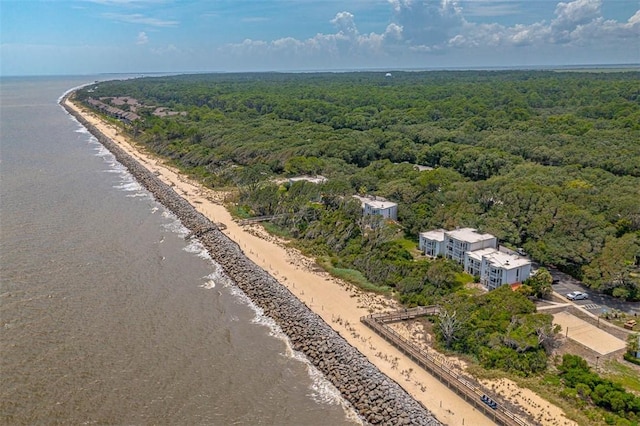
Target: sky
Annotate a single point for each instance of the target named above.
(63, 37)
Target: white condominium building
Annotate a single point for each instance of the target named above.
(478, 254)
(459, 241)
(496, 268)
(431, 243)
(378, 206)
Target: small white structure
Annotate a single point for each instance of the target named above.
(378, 206)
(459, 241)
(431, 243)
(316, 179)
(495, 268)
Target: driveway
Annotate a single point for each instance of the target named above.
(596, 303)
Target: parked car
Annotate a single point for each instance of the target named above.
(577, 295)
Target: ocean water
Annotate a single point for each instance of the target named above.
(108, 315)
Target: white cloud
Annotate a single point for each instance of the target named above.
(345, 24)
(427, 27)
(137, 18)
(346, 41)
(577, 23)
(142, 38)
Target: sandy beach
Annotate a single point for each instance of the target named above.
(340, 304)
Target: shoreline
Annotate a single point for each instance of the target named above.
(334, 307)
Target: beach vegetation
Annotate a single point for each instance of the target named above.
(500, 329)
(581, 383)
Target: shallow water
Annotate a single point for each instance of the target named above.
(108, 315)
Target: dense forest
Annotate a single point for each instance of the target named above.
(547, 161)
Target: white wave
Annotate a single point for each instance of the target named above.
(169, 215)
(196, 247)
(71, 90)
(216, 277)
(322, 390)
(103, 152)
(175, 226)
(154, 209)
(208, 285)
(129, 185)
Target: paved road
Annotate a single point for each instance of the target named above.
(596, 303)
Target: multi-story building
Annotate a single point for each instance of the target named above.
(378, 206)
(431, 243)
(459, 241)
(496, 268)
(478, 254)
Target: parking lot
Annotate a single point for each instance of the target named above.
(596, 303)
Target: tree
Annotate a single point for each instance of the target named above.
(441, 273)
(449, 326)
(250, 177)
(613, 268)
(540, 283)
(303, 165)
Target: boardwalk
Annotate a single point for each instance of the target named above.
(472, 393)
(258, 219)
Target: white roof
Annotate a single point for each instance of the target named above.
(506, 261)
(376, 203)
(435, 235)
(469, 235)
(478, 254)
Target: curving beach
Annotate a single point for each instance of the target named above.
(340, 305)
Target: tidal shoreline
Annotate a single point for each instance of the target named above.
(377, 398)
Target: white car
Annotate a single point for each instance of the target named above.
(577, 295)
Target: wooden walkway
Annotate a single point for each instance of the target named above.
(258, 219)
(439, 368)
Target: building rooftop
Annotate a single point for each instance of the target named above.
(469, 235)
(375, 202)
(435, 235)
(478, 254)
(502, 260)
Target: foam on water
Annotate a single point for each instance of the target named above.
(196, 247)
(208, 285)
(175, 226)
(127, 181)
(216, 277)
(69, 91)
(322, 390)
